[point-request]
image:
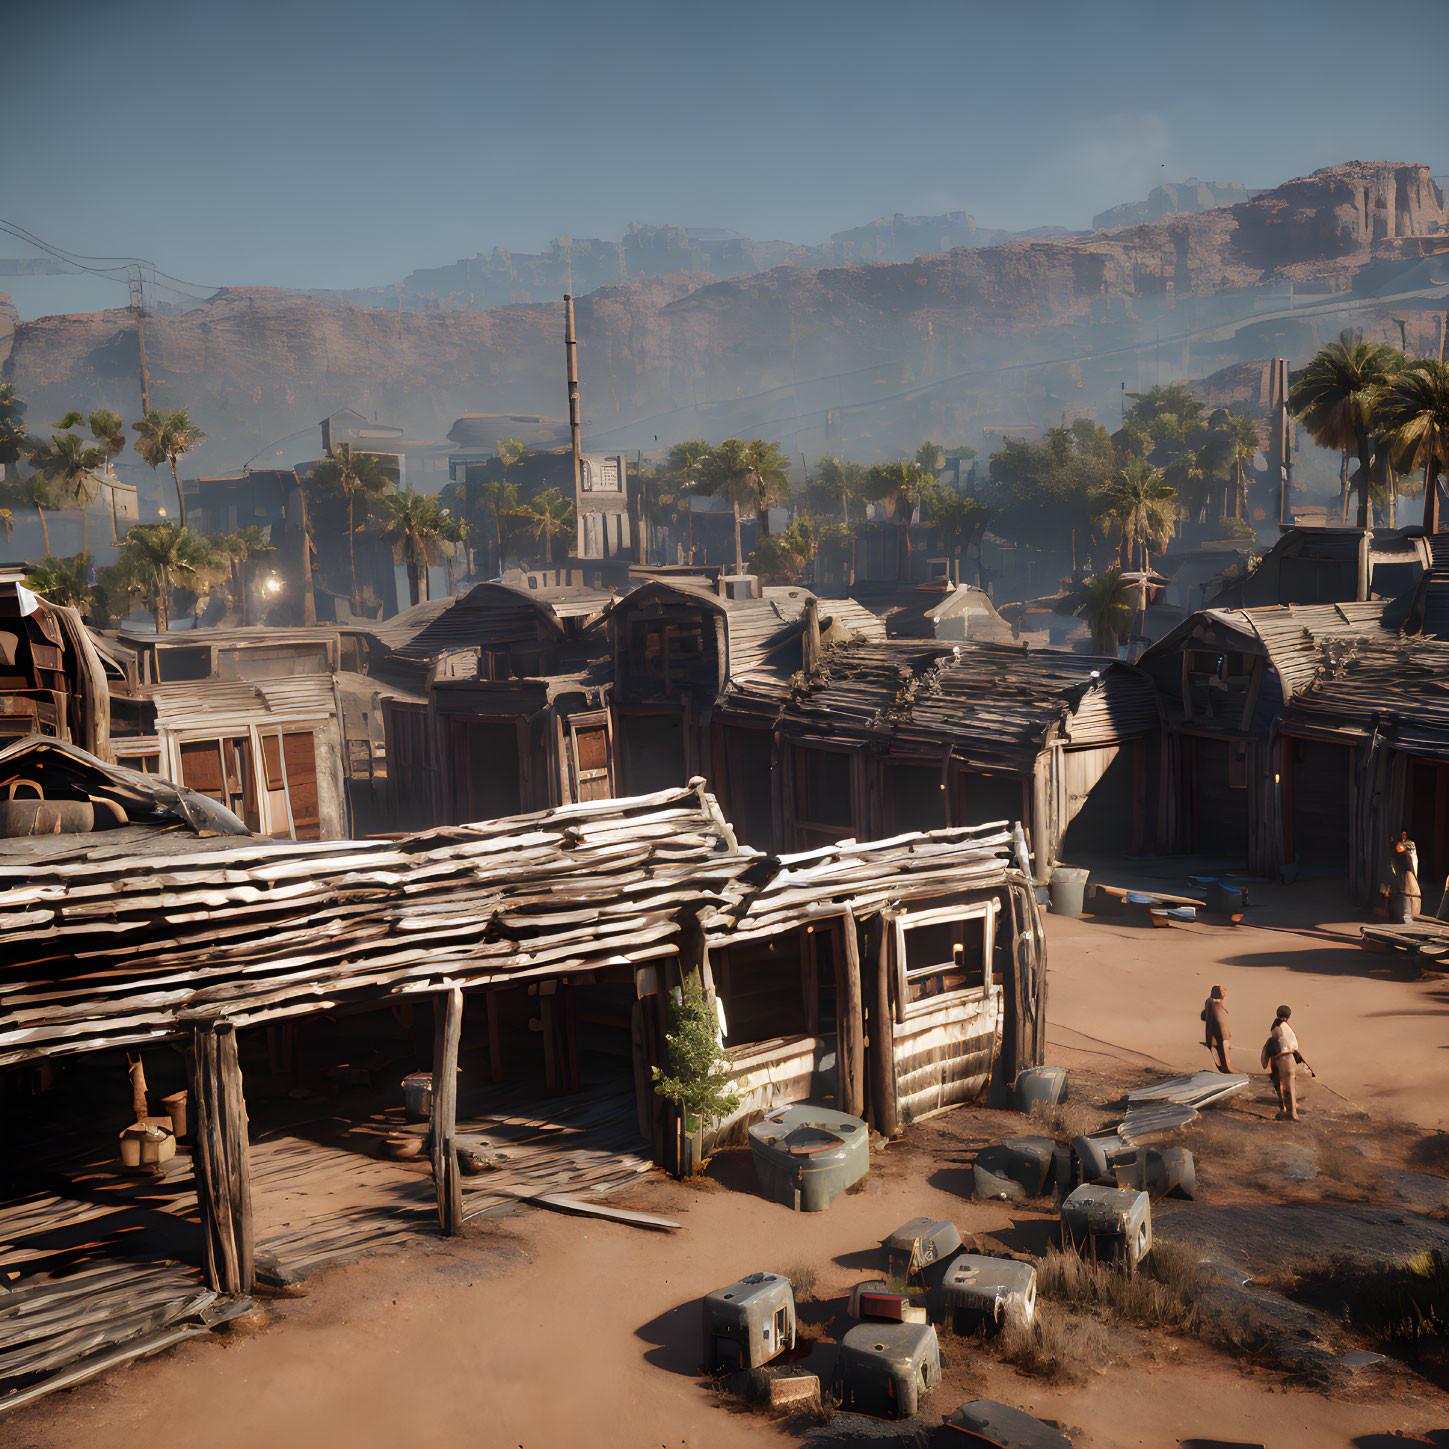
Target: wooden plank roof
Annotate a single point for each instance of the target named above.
(224, 704)
(1398, 688)
(994, 704)
(99, 948)
(869, 875)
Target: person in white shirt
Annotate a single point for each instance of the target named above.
(1282, 1057)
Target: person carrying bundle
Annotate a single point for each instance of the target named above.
(1282, 1057)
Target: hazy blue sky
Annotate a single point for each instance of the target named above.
(322, 144)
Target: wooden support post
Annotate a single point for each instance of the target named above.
(447, 1028)
(222, 1164)
(850, 1022)
(495, 1044)
(883, 1036)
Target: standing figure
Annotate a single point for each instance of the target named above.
(1219, 1035)
(1282, 1057)
(1408, 900)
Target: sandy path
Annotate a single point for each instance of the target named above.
(545, 1331)
(551, 1331)
(1377, 1037)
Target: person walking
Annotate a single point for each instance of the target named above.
(1218, 1035)
(1282, 1057)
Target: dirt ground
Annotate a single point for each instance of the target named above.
(543, 1331)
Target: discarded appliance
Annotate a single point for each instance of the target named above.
(1169, 1172)
(986, 1422)
(979, 1292)
(1039, 1087)
(876, 1299)
(748, 1323)
(885, 1368)
(418, 1095)
(1196, 1090)
(1025, 1161)
(805, 1156)
(1092, 1158)
(916, 1245)
(1108, 1222)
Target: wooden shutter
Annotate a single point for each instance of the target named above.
(592, 763)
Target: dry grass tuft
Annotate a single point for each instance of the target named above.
(1161, 1294)
(1070, 1119)
(1055, 1345)
(803, 1278)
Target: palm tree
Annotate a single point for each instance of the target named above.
(725, 473)
(64, 581)
(357, 476)
(835, 483)
(1334, 397)
(548, 515)
(1243, 443)
(1143, 507)
(69, 466)
(155, 558)
(769, 479)
(415, 531)
(166, 438)
(1106, 601)
(902, 487)
(13, 442)
(1414, 409)
(962, 520)
(237, 550)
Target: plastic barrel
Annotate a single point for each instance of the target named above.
(1068, 885)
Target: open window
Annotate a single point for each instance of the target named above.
(943, 955)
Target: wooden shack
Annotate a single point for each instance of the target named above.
(881, 738)
(513, 715)
(272, 750)
(189, 656)
(932, 609)
(1362, 755)
(1226, 678)
(675, 649)
(52, 680)
(543, 952)
(885, 978)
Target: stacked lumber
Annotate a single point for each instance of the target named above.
(99, 948)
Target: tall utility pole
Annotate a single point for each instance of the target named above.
(138, 306)
(571, 352)
(1281, 446)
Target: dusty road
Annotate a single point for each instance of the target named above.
(544, 1331)
(1377, 1036)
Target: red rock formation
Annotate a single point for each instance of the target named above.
(253, 365)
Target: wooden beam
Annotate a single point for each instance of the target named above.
(447, 1029)
(850, 1022)
(222, 1163)
(883, 1036)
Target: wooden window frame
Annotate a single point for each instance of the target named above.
(903, 921)
(591, 719)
